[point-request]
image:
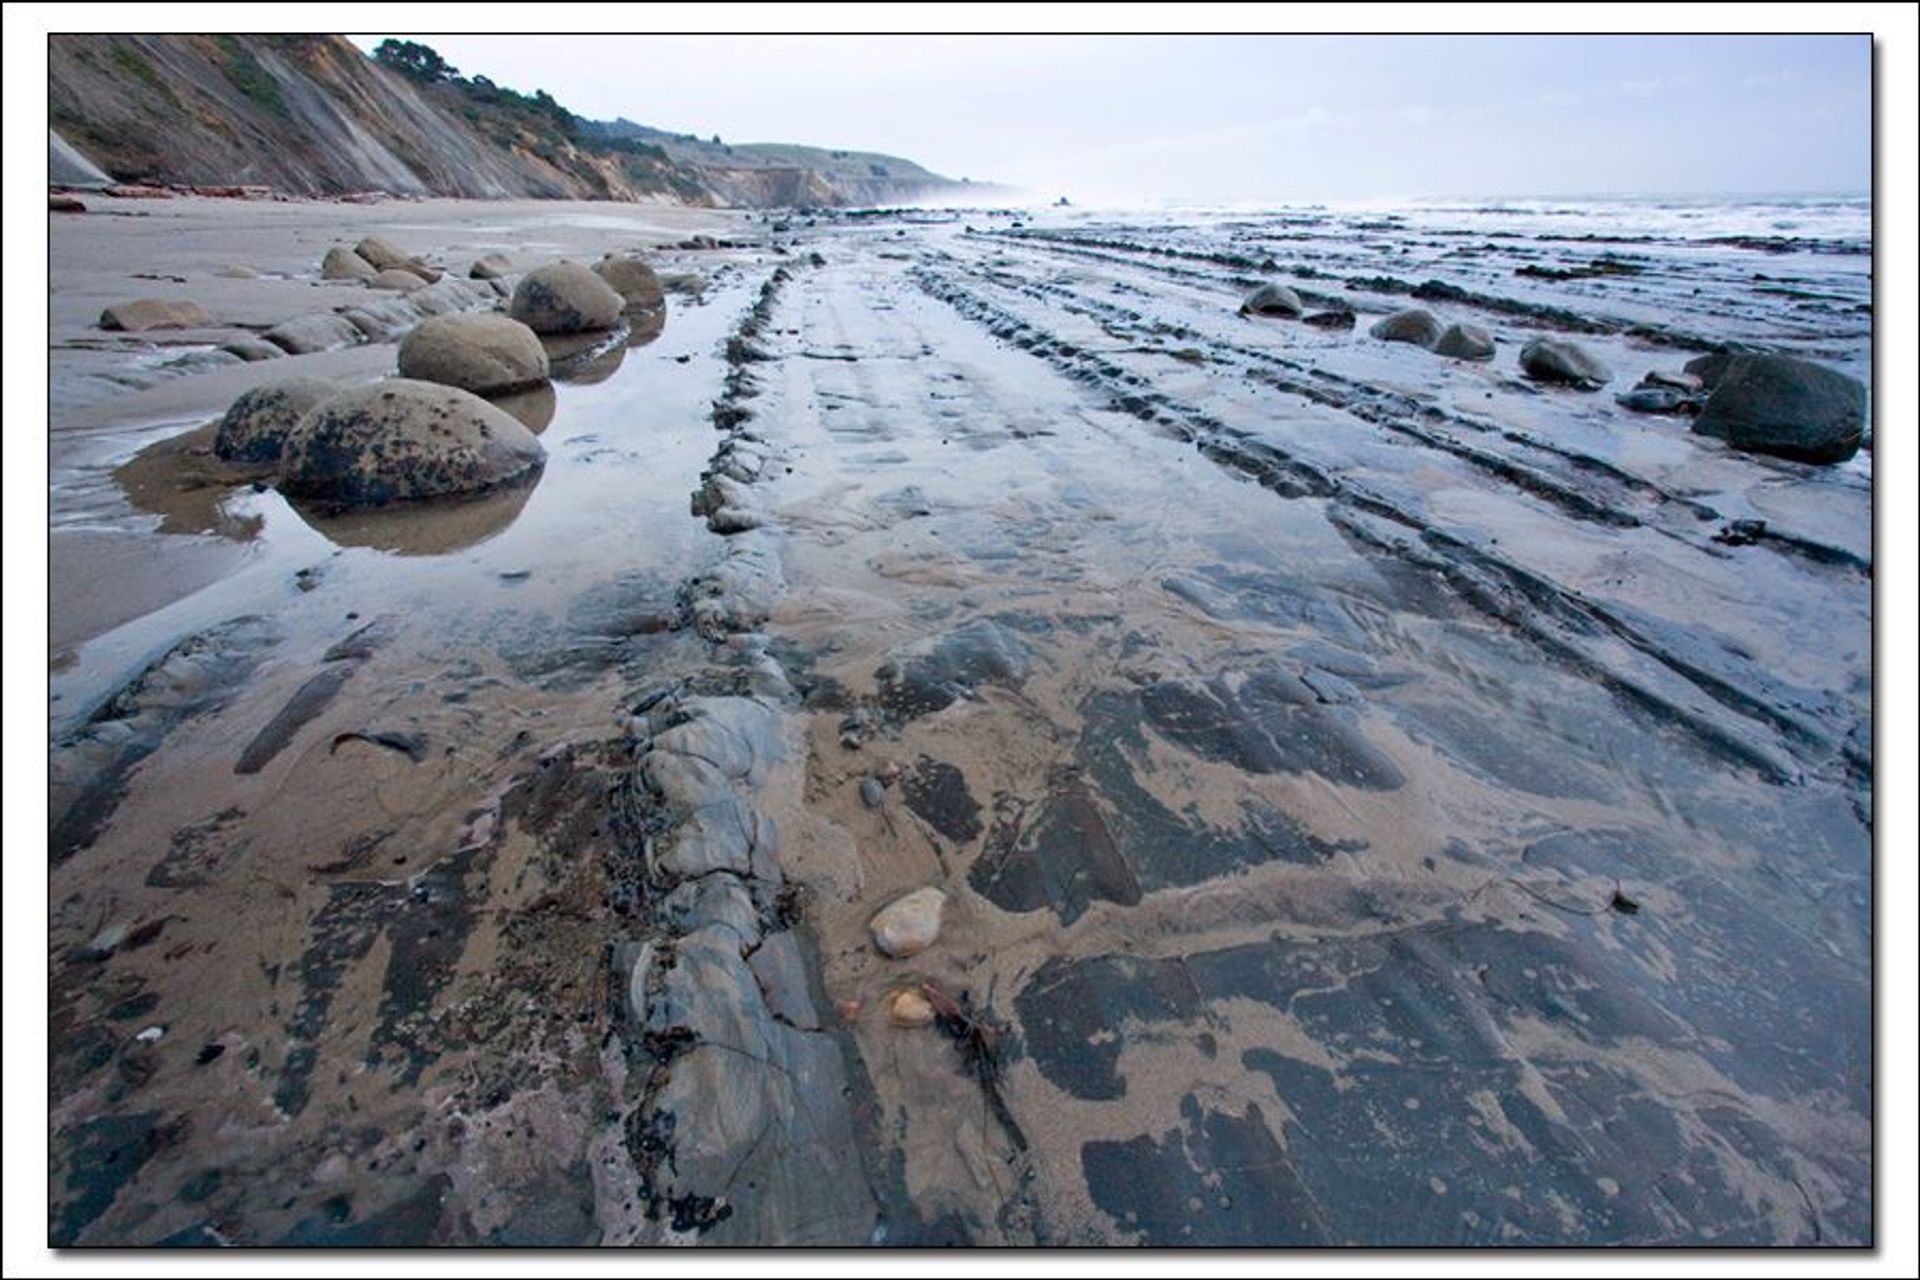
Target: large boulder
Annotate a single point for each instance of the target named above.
(402, 440)
(1464, 342)
(345, 264)
(1416, 326)
(257, 424)
(1273, 300)
(1710, 369)
(565, 297)
(633, 280)
(153, 313)
(482, 352)
(1787, 407)
(1557, 360)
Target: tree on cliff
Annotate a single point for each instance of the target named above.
(416, 60)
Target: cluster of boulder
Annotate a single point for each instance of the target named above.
(1419, 327)
(1771, 404)
(381, 264)
(433, 431)
(1278, 300)
(394, 441)
(1757, 403)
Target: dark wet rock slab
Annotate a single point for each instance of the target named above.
(1065, 857)
(1440, 1116)
(411, 1219)
(1266, 722)
(937, 792)
(1098, 834)
(307, 702)
(980, 652)
(103, 1155)
(425, 922)
(89, 766)
(1219, 1180)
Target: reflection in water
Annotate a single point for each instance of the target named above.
(533, 408)
(585, 357)
(425, 528)
(645, 325)
(599, 368)
(182, 481)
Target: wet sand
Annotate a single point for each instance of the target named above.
(1376, 801)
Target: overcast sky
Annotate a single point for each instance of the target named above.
(1248, 118)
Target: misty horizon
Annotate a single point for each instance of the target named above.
(1259, 120)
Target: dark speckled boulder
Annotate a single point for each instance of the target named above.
(485, 353)
(258, 423)
(565, 297)
(1787, 407)
(633, 280)
(401, 440)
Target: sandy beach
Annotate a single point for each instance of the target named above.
(1355, 777)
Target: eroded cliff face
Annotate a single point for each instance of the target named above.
(311, 115)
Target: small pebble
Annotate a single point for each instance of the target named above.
(872, 792)
(151, 1034)
(908, 1008)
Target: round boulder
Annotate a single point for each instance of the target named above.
(401, 440)
(1273, 300)
(1416, 326)
(1657, 400)
(482, 352)
(258, 423)
(1557, 360)
(490, 267)
(382, 253)
(1787, 407)
(345, 264)
(565, 297)
(1464, 342)
(1709, 369)
(633, 280)
(398, 279)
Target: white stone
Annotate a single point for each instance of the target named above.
(909, 925)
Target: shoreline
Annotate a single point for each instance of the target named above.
(1247, 708)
